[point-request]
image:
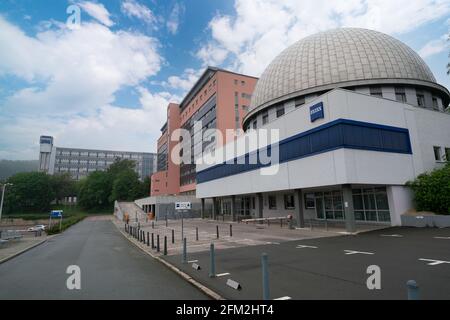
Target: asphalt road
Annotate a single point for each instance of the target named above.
(111, 268)
(323, 269)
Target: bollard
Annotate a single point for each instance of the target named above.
(231, 230)
(166, 221)
(173, 236)
(281, 223)
(217, 231)
(165, 245)
(212, 263)
(153, 241)
(148, 238)
(157, 243)
(223, 217)
(413, 290)
(265, 277)
(184, 257)
(196, 233)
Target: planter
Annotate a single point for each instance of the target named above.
(431, 221)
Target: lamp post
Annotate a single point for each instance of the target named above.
(3, 197)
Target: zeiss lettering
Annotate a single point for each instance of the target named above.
(316, 112)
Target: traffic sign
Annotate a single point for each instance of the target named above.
(182, 205)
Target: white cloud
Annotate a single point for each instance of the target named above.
(97, 11)
(434, 47)
(72, 77)
(185, 81)
(132, 8)
(174, 18)
(261, 29)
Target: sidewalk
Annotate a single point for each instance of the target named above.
(15, 247)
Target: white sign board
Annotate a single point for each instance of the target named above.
(182, 205)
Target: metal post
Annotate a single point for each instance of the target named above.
(148, 238)
(413, 290)
(212, 263)
(217, 231)
(196, 233)
(165, 245)
(184, 257)
(166, 220)
(231, 230)
(173, 236)
(3, 197)
(153, 240)
(281, 223)
(182, 226)
(157, 243)
(265, 277)
(153, 224)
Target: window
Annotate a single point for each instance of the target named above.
(245, 108)
(235, 81)
(280, 111)
(437, 153)
(255, 124)
(376, 92)
(289, 203)
(371, 204)
(447, 154)
(272, 202)
(309, 201)
(400, 95)
(243, 83)
(265, 117)
(420, 99)
(299, 102)
(435, 104)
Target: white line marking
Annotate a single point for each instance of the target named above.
(392, 235)
(433, 262)
(272, 243)
(283, 298)
(444, 238)
(356, 252)
(192, 261)
(222, 274)
(303, 246)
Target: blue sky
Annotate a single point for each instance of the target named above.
(107, 83)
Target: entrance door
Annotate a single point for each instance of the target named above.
(320, 208)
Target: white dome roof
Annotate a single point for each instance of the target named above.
(336, 58)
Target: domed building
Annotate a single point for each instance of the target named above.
(356, 114)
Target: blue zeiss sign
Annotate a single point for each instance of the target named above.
(316, 112)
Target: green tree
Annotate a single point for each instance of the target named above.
(63, 186)
(432, 191)
(94, 190)
(126, 186)
(120, 166)
(31, 191)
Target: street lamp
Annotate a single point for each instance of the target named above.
(3, 197)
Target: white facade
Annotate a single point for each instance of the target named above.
(344, 166)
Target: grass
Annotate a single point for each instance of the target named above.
(66, 223)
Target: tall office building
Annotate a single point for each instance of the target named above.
(80, 162)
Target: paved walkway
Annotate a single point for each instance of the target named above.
(15, 246)
(111, 268)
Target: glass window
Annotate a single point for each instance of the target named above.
(400, 95)
(309, 201)
(376, 92)
(272, 202)
(265, 117)
(280, 111)
(420, 99)
(437, 153)
(358, 202)
(299, 102)
(447, 154)
(255, 124)
(435, 104)
(289, 201)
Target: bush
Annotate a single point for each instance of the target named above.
(432, 191)
(66, 223)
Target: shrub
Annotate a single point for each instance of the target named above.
(432, 191)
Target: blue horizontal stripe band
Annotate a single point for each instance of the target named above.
(338, 134)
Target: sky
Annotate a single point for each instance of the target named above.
(106, 82)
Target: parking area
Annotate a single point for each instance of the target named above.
(225, 235)
(332, 267)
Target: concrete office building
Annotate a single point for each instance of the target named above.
(220, 99)
(359, 114)
(80, 162)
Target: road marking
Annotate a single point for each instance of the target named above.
(444, 238)
(392, 235)
(222, 274)
(356, 252)
(303, 246)
(277, 243)
(283, 298)
(192, 261)
(433, 262)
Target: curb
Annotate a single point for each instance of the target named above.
(23, 251)
(210, 293)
